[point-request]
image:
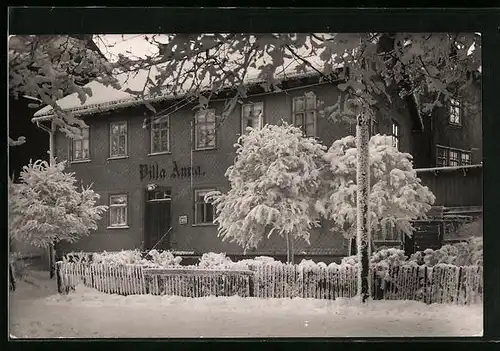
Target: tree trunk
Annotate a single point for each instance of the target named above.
(289, 249)
(52, 260)
(363, 191)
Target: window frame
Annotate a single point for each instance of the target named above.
(154, 121)
(196, 124)
(305, 111)
(72, 148)
(455, 104)
(111, 135)
(460, 158)
(112, 225)
(196, 193)
(243, 118)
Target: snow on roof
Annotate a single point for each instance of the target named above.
(105, 98)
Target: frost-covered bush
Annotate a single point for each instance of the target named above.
(274, 182)
(47, 207)
(153, 258)
(397, 196)
(473, 229)
(123, 257)
(467, 253)
(311, 264)
(164, 258)
(213, 260)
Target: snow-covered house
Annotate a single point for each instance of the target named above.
(154, 176)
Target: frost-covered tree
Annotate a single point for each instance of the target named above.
(46, 68)
(47, 207)
(397, 196)
(273, 187)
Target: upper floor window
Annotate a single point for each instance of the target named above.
(304, 113)
(252, 115)
(80, 150)
(118, 210)
(455, 112)
(205, 135)
(395, 134)
(203, 211)
(160, 134)
(448, 157)
(118, 139)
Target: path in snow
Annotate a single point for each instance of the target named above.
(38, 312)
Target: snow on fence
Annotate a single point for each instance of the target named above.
(439, 284)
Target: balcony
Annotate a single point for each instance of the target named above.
(454, 186)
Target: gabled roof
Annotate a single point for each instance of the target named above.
(105, 98)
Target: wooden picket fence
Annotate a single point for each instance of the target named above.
(439, 284)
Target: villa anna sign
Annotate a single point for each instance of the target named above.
(155, 172)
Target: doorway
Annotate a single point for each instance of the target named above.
(157, 219)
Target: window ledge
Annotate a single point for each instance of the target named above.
(117, 157)
(118, 227)
(207, 149)
(81, 161)
(160, 153)
(204, 225)
(456, 125)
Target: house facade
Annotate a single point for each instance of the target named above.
(153, 171)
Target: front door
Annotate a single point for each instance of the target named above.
(158, 221)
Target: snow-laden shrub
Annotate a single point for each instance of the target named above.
(123, 257)
(473, 229)
(213, 260)
(164, 258)
(47, 207)
(311, 264)
(467, 253)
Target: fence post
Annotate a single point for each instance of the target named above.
(251, 284)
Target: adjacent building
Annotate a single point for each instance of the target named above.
(154, 170)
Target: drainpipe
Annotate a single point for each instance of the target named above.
(51, 131)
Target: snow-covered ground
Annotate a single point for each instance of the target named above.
(36, 311)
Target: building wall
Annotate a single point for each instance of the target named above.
(123, 175)
(438, 131)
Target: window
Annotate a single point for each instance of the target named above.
(118, 139)
(118, 210)
(395, 134)
(465, 158)
(203, 212)
(449, 157)
(442, 157)
(80, 147)
(252, 116)
(205, 136)
(454, 158)
(455, 112)
(304, 113)
(160, 134)
(161, 194)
